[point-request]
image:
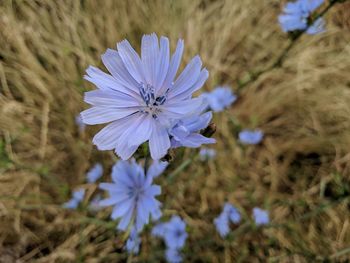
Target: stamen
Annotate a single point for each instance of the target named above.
(147, 94)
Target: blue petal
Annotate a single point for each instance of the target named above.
(131, 61)
(163, 65)
(150, 57)
(174, 65)
(115, 65)
(107, 138)
(159, 142)
(156, 168)
(187, 78)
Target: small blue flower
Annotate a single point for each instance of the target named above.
(261, 217)
(173, 255)
(206, 154)
(173, 232)
(157, 168)
(250, 136)
(229, 213)
(232, 212)
(79, 122)
(186, 132)
(133, 243)
(132, 195)
(220, 98)
(94, 173)
(222, 224)
(74, 202)
(141, 99)
(296, 15)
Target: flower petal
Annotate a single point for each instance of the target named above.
(203, 76)
(150, 57)
(159, 142)
(181, 108)
(102, 80)
(142, 132)
(110, 98)
(98, 115)
(131, 61)
(113, 200)
(163, 67)
(115, 65)
(174, 64)
(187, 78)
(122, 207)
(125, 221)
(107, 138)
(198, 123)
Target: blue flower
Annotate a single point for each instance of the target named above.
(222, 225)
(220, 98)
(132, 195)
(207, 154)
(250, 136)
(186, 132)
(94, 173)
(133, 243)
(296, 16)
(229, 213)
(74, 202)
(173, 232)
(261, 217)
(173, 255)
(141, 99)
(79, 122)
(157, 168)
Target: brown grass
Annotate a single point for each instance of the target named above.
(300, 173)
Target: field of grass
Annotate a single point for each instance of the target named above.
(300, 173)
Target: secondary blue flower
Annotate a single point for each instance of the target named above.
(141, 99)
(229, 213)
(261, 217)
(207, 154)
(157, 168)
(74, 202)
(186, 132)
(220, 98)
(94, 173)
(133, 243)
(222, 224)
(132, 195)
(250, 136)
(173, 232)
(296, 16)
(173, 255)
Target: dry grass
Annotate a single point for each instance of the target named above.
(301, 172)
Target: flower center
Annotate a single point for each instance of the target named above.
(135, 192)
(152, 102)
